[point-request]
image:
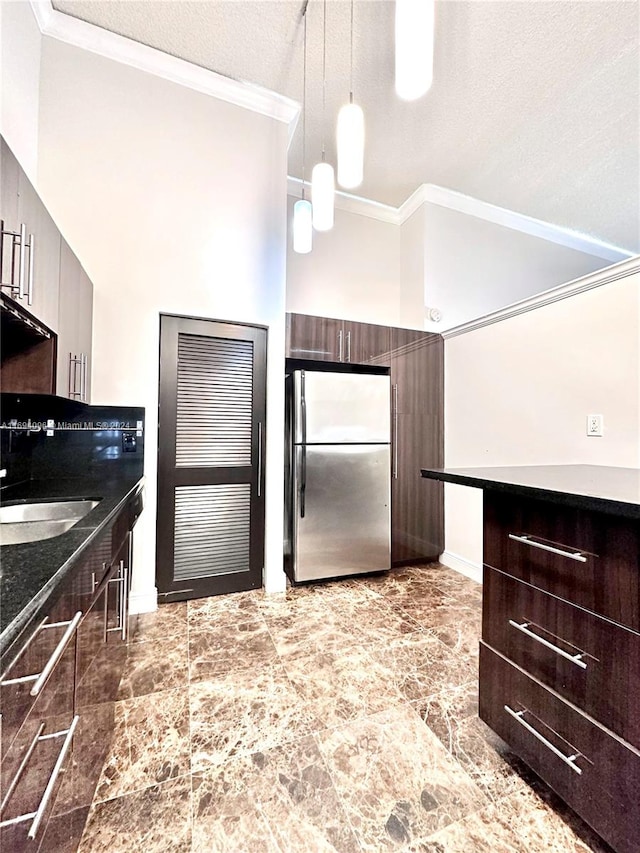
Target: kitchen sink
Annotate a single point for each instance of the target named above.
(31, 522)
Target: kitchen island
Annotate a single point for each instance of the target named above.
(560, 647)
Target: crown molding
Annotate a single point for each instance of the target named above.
(348, 202)
(615, 272)
(96, 40)
(452, 200)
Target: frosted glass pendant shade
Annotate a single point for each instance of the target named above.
(350, 142)
(414, 47)
(323, 189)
(302, 227)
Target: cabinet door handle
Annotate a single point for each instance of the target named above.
(259, 458)
(524, 628)
(72, 627)
(83, 377)
(22, 267)
(340, 344)
(48, 791)
(568, 759)
(121, 580)
(526, 539)
(41, 678)
(36, 817)
(30, 284)
(349, 347)
(124, 599)
(394, 408)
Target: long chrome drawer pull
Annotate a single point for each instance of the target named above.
(57, 653)
(527, 541)
(48, 791)
(524, 628)
(568, 759)
(14, 782)
(44, 675)
(36, 817)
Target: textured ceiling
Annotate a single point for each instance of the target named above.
(535, 103)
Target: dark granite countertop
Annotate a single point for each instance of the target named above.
(30, 572)
(599, 487)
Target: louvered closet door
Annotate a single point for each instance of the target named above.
(210, 535)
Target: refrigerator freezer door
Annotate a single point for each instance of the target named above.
(341, 407)
(342, 523)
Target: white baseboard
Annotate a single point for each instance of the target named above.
(143, 602)
(460, 564)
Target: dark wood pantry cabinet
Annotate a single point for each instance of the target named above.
(416, 408)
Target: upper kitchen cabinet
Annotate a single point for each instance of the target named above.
(417, 368)
(43, 256)
(30, 245)
(74, 328)
(316, 338)
(325, 339)
(366, 343)
(9, 172)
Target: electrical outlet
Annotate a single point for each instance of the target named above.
(594, 424)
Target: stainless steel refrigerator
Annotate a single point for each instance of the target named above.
(338, 474)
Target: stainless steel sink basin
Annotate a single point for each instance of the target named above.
(31, 522)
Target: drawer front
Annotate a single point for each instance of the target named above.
(32, 769)
(588, 558)
(590, 661)
(594, 772)
(32, 652)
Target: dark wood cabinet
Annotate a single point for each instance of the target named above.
(343, 341)
(416, 362)
(47, 321)
(366, 343)
(75, 322)
(595, 773)
(54, 778)
(560, 652)
(315, 338)
(417, 387)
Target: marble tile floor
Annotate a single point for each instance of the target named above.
(336, 717)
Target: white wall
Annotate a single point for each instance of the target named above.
(20, 48)
(175, 202)
(518, 392)
(412, 269)
(353, 271)
(474, 267)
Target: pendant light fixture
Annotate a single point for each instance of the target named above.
(350, 136)
(322, 178)
(302, 213)
(414, 47)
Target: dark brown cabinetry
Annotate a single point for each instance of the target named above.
(416, 362)
(47, 298)
(344, 341)
(560, 653)
(74, 328)
(54, 743)
(417, 388)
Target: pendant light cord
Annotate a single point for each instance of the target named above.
(304, 95)
(324, 68)
(351, 60)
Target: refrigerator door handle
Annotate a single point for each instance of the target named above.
(303, 478)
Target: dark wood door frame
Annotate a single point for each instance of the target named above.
(170, 476)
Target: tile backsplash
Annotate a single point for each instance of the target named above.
(44, 436)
